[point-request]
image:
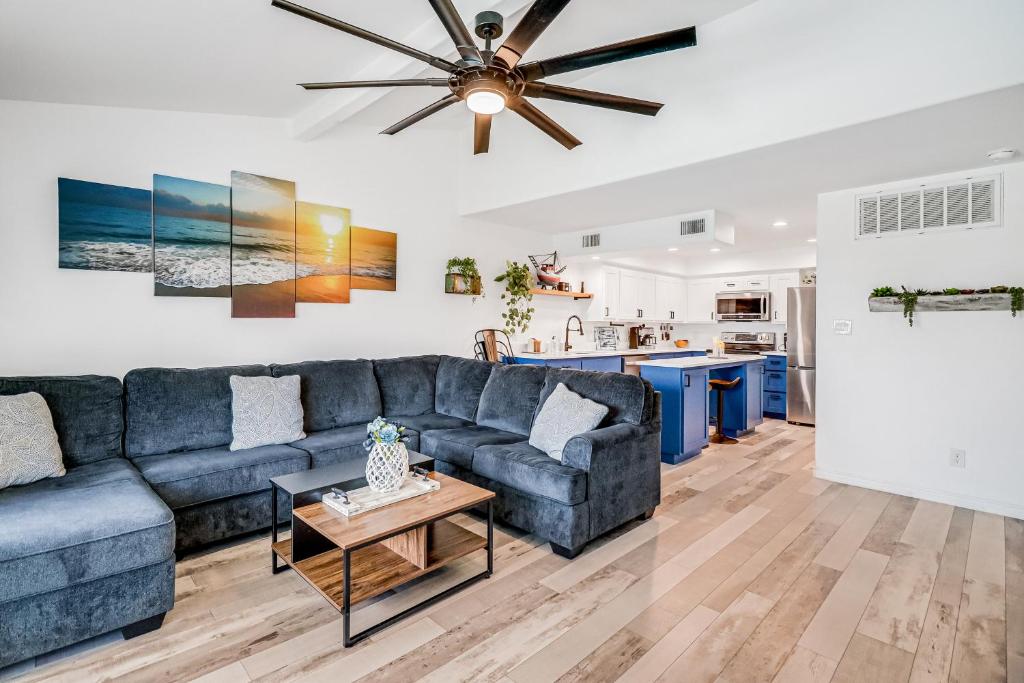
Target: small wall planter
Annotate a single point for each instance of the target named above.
(456, 283)
(956, 302)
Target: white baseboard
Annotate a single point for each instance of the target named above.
(998, 507)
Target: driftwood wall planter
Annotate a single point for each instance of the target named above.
(956, 302)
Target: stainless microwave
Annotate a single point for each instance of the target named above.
(751, 306)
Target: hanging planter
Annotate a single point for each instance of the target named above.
(1001, 298)
(463, 277)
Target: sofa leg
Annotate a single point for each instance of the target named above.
(567, 553)
(143, 627)
(647, 514)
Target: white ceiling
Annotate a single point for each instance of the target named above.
(245, 57)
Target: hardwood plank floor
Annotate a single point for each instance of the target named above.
(751, 570)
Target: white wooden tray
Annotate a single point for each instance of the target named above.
(366, 499)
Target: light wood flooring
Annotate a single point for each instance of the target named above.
(751, 570)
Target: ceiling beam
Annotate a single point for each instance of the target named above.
(331, 108)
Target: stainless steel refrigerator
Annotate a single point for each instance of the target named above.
(800, 357)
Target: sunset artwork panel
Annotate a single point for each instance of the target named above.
(262, 247)
(322, 241)
(374, 259)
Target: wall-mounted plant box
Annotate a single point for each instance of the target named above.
(955, 302)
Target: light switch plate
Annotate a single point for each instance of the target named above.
(842, 326)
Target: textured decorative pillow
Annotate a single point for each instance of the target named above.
(265, 411)
(28, 442)
(564, 415)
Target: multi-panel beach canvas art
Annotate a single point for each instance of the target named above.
(251, 242)
(104, 227)
(191, 238)
(322, 253)
(262, 247)
(374, 259)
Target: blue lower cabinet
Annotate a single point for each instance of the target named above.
(775, 362)
(609, 364)
(571, 363)
(775, 404)
(684, 405)
(775, 380)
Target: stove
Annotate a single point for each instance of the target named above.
(748, 342)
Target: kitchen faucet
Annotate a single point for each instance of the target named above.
(568, 346)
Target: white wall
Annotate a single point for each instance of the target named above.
(893, 400)
(63, 321)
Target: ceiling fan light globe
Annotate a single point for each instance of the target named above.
(485, 102)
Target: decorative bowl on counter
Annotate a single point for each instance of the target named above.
(682, 343)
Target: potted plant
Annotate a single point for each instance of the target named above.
(388, 462)
(462, 276)
(517, 297)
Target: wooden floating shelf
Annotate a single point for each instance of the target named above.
(554, 292)
(955, 302)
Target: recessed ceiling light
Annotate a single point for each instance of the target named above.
(715, 250)
(1001, 154)
(673, 248)
(596, 258)
(812, 239)
(780, 224)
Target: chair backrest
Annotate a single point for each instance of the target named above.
(489, 346)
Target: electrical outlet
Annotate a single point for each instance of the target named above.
(958, 458)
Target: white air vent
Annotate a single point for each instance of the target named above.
(591, 240)
(961, 204)
(693, 226)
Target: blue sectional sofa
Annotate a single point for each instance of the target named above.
(150, 474)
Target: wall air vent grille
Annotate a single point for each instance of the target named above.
(693, 226)
(592, 240)
(965, 203)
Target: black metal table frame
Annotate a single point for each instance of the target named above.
(346, 607)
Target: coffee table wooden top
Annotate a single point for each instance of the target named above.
(352, 532)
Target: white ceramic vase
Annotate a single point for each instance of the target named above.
(387, 466)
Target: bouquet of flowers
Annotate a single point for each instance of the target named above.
(383, 432)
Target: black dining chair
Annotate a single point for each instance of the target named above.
(487, 345)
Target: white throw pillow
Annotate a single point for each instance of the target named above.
(564, 415)
(29, 450)
(265, 411)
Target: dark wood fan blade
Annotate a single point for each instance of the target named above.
(542, 121)
(421, 114)
(442, 64)
(408, 82)
(595, 99)
(527, 31)
(456, 28)
(630, 49)
(482, 134)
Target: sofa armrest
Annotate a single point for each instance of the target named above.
(623, 465)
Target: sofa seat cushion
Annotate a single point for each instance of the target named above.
(98, 520)
(525, 468)
(429, 422)
(458, 445)
(193, 477)
(331, 446)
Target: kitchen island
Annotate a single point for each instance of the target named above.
(602, 360)
(683, 383)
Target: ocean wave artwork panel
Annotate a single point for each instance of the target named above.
(263, 267)
(322, 244)
(374, 259)
(191, 238)
(104, 227)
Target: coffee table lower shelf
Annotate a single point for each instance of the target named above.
(377, 569)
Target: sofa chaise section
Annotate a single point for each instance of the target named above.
(89, 552)
(178, 433)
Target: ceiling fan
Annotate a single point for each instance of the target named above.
(488, 81)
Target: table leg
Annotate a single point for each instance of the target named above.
(274, 569)
(490, 538)
(346, 598)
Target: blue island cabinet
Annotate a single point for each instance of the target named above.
(684, 409)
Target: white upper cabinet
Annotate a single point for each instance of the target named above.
(760, 283)
(670, 296)
(605, 302)
(637, 296)
(647, 296)
(700, 300)
(778, 285)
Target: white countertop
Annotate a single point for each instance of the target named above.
(773, 353)
(603, 353)
(699, 361)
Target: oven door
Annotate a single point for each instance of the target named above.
(740, 306)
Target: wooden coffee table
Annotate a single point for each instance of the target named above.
(351, 559)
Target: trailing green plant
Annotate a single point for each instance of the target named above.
(883, 291)
(1016, 300)
(951, 291)
(909, 301)
(517, 297)
(463, 266)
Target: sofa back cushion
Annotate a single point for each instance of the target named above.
(87, 413)
(460, 382)
(625, 395)
(510, 397)
(407, 385)
(335, 393)
(175, 409)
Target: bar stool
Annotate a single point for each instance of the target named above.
(722, 386)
